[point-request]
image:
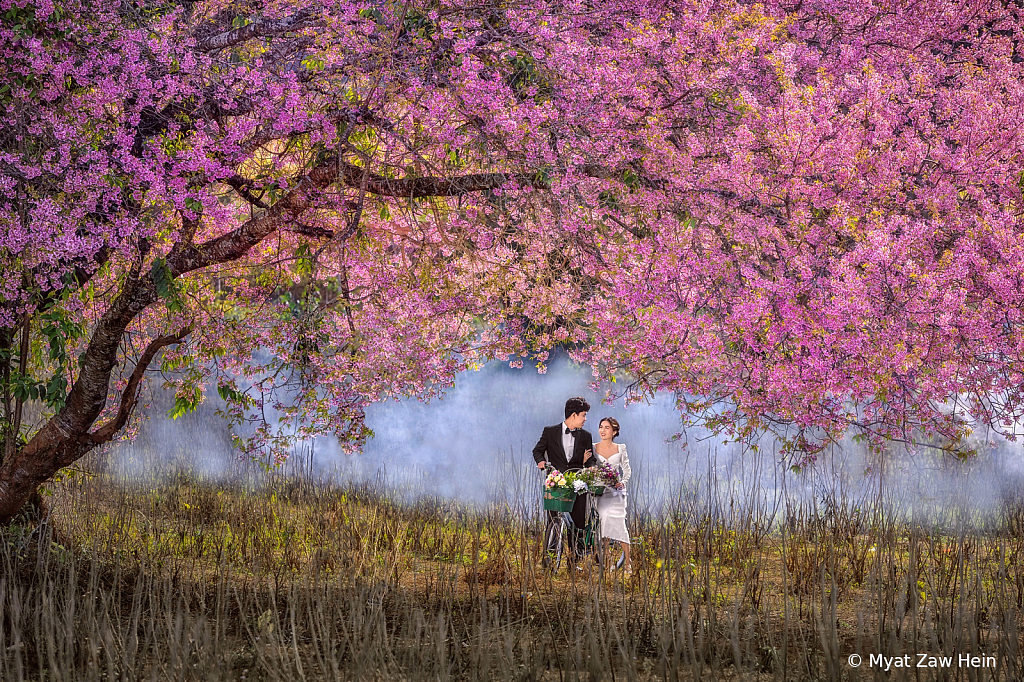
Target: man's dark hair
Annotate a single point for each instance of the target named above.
(574, 405)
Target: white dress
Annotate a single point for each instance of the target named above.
(612, 507)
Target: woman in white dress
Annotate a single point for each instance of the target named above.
(612, 506)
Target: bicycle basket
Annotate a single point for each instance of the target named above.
(559, 499)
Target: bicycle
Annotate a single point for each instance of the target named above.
(557, 541)
(563, 530)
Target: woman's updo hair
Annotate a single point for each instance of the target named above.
(613, 422)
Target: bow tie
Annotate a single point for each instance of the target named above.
(568, 430)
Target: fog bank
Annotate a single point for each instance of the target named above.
(474, 446)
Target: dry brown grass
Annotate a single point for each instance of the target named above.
(192, 581)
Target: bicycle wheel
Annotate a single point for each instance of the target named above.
(554, 545)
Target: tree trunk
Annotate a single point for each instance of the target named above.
(23, 473)
(70, 434)
(65, 438)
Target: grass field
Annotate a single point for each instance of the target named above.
(185, 580)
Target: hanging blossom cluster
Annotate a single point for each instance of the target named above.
(831, 204)
(802, 218)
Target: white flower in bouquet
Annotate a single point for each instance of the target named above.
(579, 486)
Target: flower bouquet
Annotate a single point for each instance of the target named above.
(559, 492)
(609, 476)
(556, 479)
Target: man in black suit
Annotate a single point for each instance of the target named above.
(568, 447)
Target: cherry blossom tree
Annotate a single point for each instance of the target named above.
(846, 184)
(801, 217)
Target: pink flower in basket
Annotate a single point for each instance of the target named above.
(555, 480)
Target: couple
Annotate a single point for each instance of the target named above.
(567, 447)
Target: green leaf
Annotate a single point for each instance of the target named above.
(608, 199)
(185, 401)
(542, 176)
(303, 261)
(58, 385)
(313, 64)
(372, 13)
(630, 179)
(166, 287)
(231, 394)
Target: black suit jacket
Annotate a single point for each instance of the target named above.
(549, 449)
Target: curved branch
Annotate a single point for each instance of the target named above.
(130, 394)
(66, 436)
(246, 189)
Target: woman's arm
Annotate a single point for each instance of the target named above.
(589, 460)
(624, 463)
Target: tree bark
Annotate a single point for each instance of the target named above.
(64, 438)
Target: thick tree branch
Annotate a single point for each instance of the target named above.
(429, 186)
(314, 231)
(130, 394)
(260, 28)
(235, 244)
